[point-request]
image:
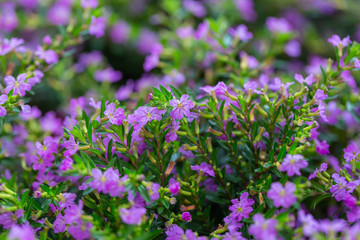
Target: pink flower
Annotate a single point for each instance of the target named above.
(19, 86)
(49, 56)
(282, 196)
(181, 107)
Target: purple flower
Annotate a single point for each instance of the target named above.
(322, 147)
(219, 89)
(89, 3)
(153, 190)
(323, 168)
(108, 75)
(3, 99)
(181, 107)
(322, 111)
(202, 30)
(119, 32)
(19, 86)
(97, 26)
(310, 224)
(66, 164)
(50, 123)
(47, 40)
(8, 219)
(241, 209)
(66, 199)
(23, 232)
(146, 42)
(59, 224)
(282, 196)
(339, 190)
(81, 231)
(351, 152)
(147, 114)
(171, 135)
(7, 45)
(42, 162)
(73, 213)
(103, 182)
(132, 215)
(246, 8)
(292, 164)
(174, 232)
(356, 63)
(309, 80)
(241, 32)
(263, 229)
(204, 168)
(293, 48)
(320, 95)
(331, 227)
(185, 32)
(336, 41)
(174, 186)
(8, 18)
(278, 25)
(115, 115)
(195, 8)
(151, 61)
(59, 13)
(49, 56)
(186, 216)
(29, 4)
(38, 75)
(49, 147)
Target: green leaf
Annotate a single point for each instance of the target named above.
(102, 109)
(175, 91)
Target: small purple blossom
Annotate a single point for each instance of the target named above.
(336, 41)
(241, 32)
(292, 164)
(282, 196)
(89, 3)
(263, 229)
(205, 168)
(181, 107)
(97, 26)
(132, 215)
(108, 75)
(115, 115)
(19, 86)
(186, 216)
(241, 209)
(49, 56)
(23, 232)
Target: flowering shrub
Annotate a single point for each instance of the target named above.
(227, 133)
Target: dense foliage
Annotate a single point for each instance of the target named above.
(242, 123)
